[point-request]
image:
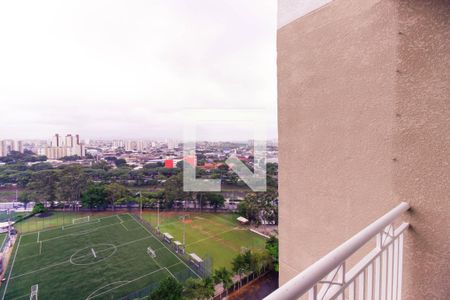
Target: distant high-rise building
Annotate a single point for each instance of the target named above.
(69, 141)
(58, 148)
(55, 141)
(20, 146)
(6, 147)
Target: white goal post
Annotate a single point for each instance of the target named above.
(151, 252)
(34, 292)
(81, 220)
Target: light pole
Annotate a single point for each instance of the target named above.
(9, 227)
(157, 226)
(184, 230)
(140, 197)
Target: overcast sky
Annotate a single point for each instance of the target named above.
(128, 69)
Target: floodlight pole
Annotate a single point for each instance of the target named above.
(158, 216)
(140, 197)
(184, 230)
(9, 227)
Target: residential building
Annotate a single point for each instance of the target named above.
(59, 148)
(364, 124)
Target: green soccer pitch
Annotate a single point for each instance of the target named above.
(216, 235)
(103, 258)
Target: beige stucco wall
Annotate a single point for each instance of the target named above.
(364, 123)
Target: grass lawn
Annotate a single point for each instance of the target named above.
(54, 219)
(217, 235)
(207, 234)
(105, 258)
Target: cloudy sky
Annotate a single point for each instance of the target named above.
(130, 69)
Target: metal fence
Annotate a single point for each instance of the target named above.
(203, 269)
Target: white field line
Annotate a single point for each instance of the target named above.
(120, 219)
(218, 223)
(4, 240)
(70, 234)
(171, 274)
(68, 261)
(70, 226)
(210, 237)
(93, 253)
(40, 248)
(57, 227)
(20, 297)
(11, 270)
(37, 240)
(166, 247)
(80, 232)
(82, 218)
(124, 226)
(130, 281)
(116, 287)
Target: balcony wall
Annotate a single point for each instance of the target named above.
(364, 123)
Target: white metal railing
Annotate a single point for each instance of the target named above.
(377, 276)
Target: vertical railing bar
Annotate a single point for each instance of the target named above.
(395, 274)
(312, 294)
(370, 281)
(361, 285)
(383, 274)
(400, 267)
(377, 277)
(390, 265)
(351, 291)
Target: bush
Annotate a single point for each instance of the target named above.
(39, 208)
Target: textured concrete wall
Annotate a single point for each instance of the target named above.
(364, 124)
(422, 144)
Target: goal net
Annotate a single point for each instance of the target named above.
(34, 292)
(81, 220)
(151, 252)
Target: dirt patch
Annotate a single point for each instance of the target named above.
(187, 221)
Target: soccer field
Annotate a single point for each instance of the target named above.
(216, 235)
(105, 258)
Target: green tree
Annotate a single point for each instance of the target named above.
(120, 162)
(223, 276)
(272, 249)
(95, 197)
(42, 185)
(241, 263)
(25, 198)
(115, 192)
(198, 289)
(215, 200)
(39, 208)
(169, 289)
(259, 261)
(250, 208)
(260, 207)
(173, 190)
(72, 181)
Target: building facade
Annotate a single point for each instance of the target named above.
(59, 147)
(364, 123)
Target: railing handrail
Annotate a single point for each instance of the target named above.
(303, 282)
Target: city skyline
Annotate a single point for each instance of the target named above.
(125, 74)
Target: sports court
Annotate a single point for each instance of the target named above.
(218, 236)
(93, 258)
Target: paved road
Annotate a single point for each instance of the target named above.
(257, 290)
